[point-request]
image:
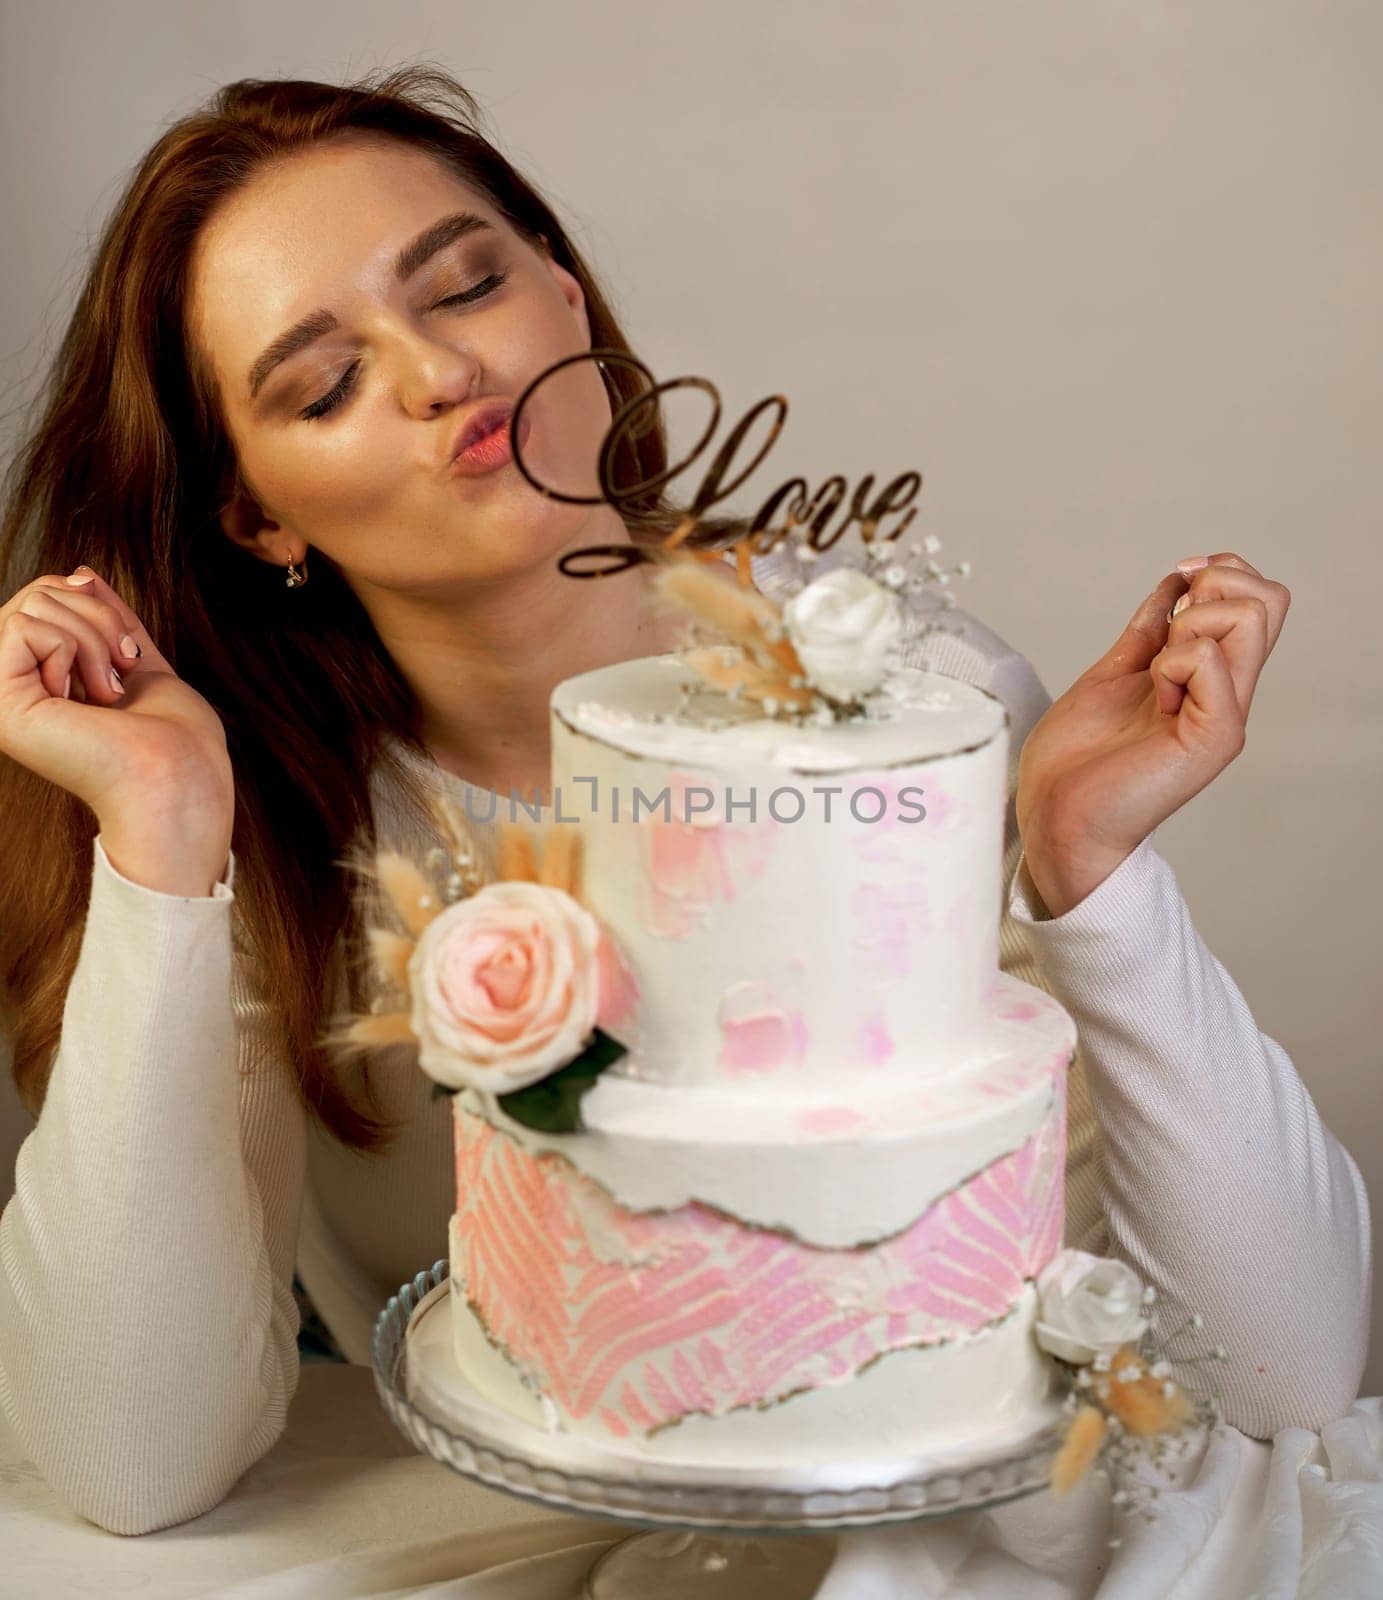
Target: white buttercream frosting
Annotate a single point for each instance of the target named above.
(656, 707)
(801, 907)
(836, 1171)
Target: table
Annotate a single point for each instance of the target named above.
(343, 1508)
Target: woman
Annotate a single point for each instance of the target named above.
(197, 741)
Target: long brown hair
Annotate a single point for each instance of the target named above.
(126, 467)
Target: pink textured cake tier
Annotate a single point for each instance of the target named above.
(687, 1328)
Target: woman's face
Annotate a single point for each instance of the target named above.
(367, 478)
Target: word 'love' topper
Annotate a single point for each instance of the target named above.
(805, 508)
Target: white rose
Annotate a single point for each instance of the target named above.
(843, 626)
(1087, 1304)
(506, 987)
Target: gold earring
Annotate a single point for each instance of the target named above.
(295, 578)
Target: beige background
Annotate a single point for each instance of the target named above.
(1106, 273)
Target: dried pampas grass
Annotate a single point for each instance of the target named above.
(401, 885)
(391, 953)
(736, 611)
(1140, 1401)
(461, 843)
(739, 612)
(407, 890)
(1079, 1448)
(734, 673)
(551, 856)
(362, 1032)
(767, 664)
(518, 854)
(561, 863)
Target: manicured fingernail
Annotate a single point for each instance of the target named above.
(67, 687)
(115, 682)
(129, 648)
(1193, 563)
(1184, 601)
(77, 579)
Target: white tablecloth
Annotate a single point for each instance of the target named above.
(343, 1508)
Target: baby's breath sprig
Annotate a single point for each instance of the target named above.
(911, 567)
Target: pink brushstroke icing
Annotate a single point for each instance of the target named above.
(960, 918)
(945, 814)
(888, 918)
(828, 1119)
(759, 1034)
(894, 818)
(876, 1042)
(1019, 1010)
(687, 866)
(636, 1319)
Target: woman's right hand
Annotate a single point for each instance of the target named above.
(149, 758)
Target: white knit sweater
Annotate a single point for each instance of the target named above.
(147, 1319)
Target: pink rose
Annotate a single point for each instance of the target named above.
(506, 987)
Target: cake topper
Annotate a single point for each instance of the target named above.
(833, 644)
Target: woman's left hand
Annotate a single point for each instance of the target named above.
(1156, 718)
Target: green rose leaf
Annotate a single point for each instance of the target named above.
(553, 1104)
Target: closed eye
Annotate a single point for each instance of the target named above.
(346, 382)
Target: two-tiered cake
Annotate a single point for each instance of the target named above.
(803, 1217)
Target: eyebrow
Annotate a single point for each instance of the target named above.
(445, 231)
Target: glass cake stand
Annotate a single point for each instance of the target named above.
(708, 1523)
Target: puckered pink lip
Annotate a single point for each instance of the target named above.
(483, 418)
(484, 443)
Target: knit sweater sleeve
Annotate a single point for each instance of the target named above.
(1219, 1183)
(148, 1328)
